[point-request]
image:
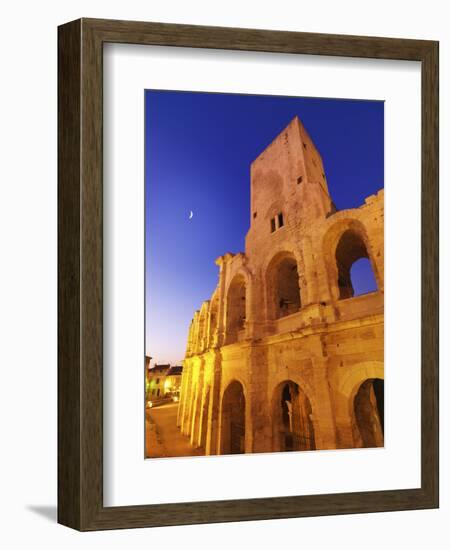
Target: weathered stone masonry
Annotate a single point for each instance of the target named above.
(283, 356)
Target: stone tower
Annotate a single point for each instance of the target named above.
(288, 184)
(284, 335)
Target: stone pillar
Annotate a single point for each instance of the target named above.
(214, 406)
(195, 335)
(202, 414)
(321, 274)
(375, 230)
(195, 423)
(255, 311)
(323, 414)
(208, 327)
(191, 398)
(222, 263)
(182, 403)
(189, 346)
(186, 397)
(258, 426)
(308, 274)
(344, 423)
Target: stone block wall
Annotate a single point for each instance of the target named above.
(283, 356)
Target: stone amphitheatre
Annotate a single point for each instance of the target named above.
(284, 356)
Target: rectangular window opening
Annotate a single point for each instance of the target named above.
(280, 220)
(272, 225)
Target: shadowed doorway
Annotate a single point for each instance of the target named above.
(369, 413)
(292, 419)
(233, 420)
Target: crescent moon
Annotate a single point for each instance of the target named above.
(191, 215)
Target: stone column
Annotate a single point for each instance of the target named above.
(182, 403)
(202, 417)
(308, 274)
(191, 399)
(186, 398)
(222, 263)
(195, 423)
(214, 406)
(195, 332)
(375, 229)
(259, 426)
(344, 423)
(323, 414)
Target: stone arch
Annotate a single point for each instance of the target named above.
(233, 419)
(346, 242)
(236, 308)
(368, 409)
(350, 384)
(282, 285)
(292, 423)
(355, 375)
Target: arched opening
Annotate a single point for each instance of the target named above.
(283, 286)
(362, 277)
(233, 420)
(351, 248)
(288, 291)
(293, 428)
(205, 412)
(236, 309)
(369, 413)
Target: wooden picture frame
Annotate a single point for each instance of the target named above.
(80, 272)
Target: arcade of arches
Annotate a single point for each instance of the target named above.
(293, 429)
(287, 355)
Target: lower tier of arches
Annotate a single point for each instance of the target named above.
(245, 409)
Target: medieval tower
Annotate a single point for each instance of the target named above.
(284, 356)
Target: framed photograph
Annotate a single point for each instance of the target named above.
(248, 274)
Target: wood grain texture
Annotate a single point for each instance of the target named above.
(80, 272)
(69, 248)
(430, 272)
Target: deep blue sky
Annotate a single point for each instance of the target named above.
(198, 151)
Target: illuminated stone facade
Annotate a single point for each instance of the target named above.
(283, 356)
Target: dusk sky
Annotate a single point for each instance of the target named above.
(199, 147)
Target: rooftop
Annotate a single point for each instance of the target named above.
(178, 369)
(159, 368)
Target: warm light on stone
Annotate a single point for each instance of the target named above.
(283, 356)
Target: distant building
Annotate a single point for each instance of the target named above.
(172, 383)
(156, 376)
(147, 367)
(163, 380)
